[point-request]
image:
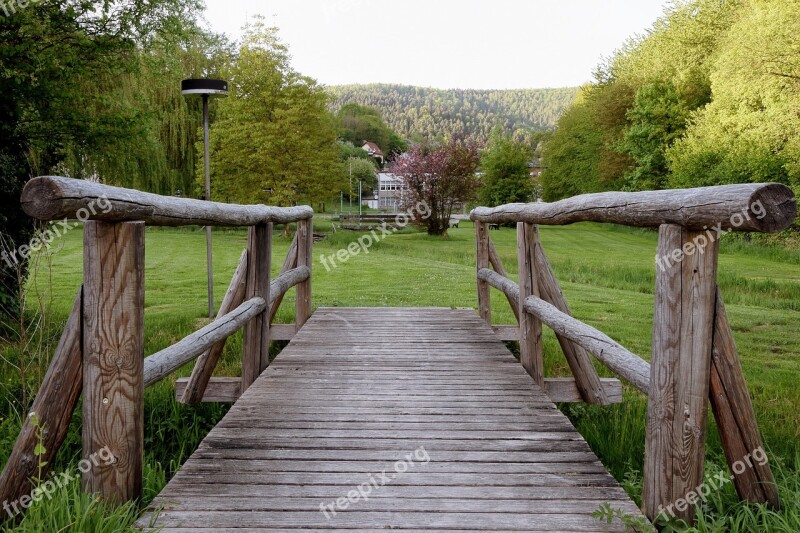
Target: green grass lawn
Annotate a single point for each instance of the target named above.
(606, 272)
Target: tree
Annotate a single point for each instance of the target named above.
(658, 118)
(273, 140)
(439, 178)
(358, 123)
(506, 174)
(362, 170)
(750, 132)
(71, 100)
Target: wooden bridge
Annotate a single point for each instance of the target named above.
(427, 423)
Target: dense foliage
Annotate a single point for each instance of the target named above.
(420, 113)
(708, 95)
(274, 141)
(358, 123)
(505, 172)
(90, 90)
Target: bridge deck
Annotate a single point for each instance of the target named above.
(422, 410)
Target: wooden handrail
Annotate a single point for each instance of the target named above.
(161, 364)
(765, 207)
(54, 197)
(623, 362)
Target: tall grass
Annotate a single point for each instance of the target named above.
(607, 274)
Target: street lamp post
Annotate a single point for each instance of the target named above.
(360, 181)
(206, 88)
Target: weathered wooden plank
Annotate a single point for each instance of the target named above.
(288, 263)
(497, 265)
(586, 377)
(626, 364)
(113, 357)
(220, 389)
(54, 197)
(255, 356)
(353, 405)
(567, 390)
(531, 350)
(305, 240)
(482, 261)
(681, 364)
(207, 361)
(161, 364)
(736, 419)
(53, 406)
(746, 207)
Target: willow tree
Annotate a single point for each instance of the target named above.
(273, 140)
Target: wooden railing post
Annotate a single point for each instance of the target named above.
(482, 257)
(677, 411)
(305, 241)
(255, 356)
(530, 328)
(113, 358)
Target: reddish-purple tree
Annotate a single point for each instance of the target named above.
(440, 178)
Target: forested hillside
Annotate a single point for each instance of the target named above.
(709, 95)
(424, 113)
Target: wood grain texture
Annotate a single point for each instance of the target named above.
(623, 362)
(219, 389)
(54, 405)
(734, 207)
(163, 363)
(497, 265)
(586, 377)
(531, 351)
(207, 361)
(113, 356)
(482, 261)
(288, 263)
(736, 419)
(255, 350)
(681, 365)
(305, 241)
(54, 197)
(337, 406)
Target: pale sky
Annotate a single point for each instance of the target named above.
(478, 44)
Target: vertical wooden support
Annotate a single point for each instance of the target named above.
(677, 409)
(255, 357)
(580, 363)
(482, 255)
(113, 359)
(497, 265)
(736, 419)
(530, 328)
(289, 263)
(207, 362)
(54, 405)
(305, 241)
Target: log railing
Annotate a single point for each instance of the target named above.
(693, 357)
(101, 352)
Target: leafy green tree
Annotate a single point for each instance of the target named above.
(358, 123)
(362, 170)
(506, 174)
(273, 140)
(71, 98)
(657, 118)
(750, 132)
